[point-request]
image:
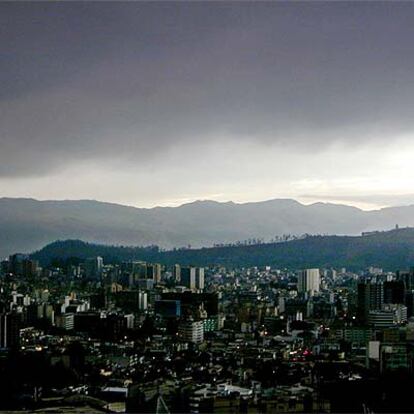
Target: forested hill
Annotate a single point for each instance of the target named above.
(391, 250)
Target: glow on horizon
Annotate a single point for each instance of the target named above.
(367, 176)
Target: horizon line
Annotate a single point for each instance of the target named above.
(209, 200)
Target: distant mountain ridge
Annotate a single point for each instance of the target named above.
(391, 250)
(27, 224)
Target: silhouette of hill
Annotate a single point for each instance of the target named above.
(391, 250)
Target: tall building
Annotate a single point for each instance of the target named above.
(409, 302)
(16, 263)
(188, 277)
(394, 291)
(94, 267)
(177, 273)
(30, 268)
(4, 267)
(192, 277)
(153, 272)
(143, 301)
(140, 271)
(309, 281)
(370, 298)
(9, 330)
(22, 265)
(158, 270)
(407, 277)
(199, 278)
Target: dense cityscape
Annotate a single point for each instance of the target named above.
(206, 207)
(142, 337)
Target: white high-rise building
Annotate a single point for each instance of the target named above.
(143, 301)
(177, 273)
(200, 278)
(309, 281)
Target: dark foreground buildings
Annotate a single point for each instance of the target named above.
(139, 337)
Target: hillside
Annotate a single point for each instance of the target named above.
(391, 250)
(27, 225)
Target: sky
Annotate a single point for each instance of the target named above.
(158, 103)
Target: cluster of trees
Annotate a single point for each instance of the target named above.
(276, 239)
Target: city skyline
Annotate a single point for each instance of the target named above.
(151, 104)
(206, 207)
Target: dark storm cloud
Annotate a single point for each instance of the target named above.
(128, 81)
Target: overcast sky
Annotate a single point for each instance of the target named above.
(164, 103)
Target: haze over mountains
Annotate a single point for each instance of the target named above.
(27, 225)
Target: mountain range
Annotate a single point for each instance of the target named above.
(27, 224)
